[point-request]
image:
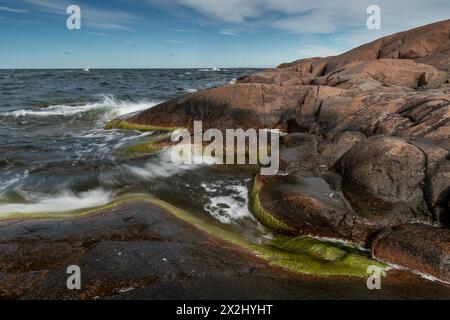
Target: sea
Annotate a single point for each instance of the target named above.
(56, 155)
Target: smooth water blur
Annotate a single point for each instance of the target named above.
(56, 156)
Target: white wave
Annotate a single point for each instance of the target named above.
(163, 166)
(228, 209)
(16, 179)
(209, 188)
(64, 202)
(190, 90)
(109, 105)
(210, 70)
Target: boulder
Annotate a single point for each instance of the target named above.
(234, 106)
(384, 72)
(427, 44)
(333, 150)
(305, 204)
(389, 111)
(383, 180)
(418, 247)
(283, 77)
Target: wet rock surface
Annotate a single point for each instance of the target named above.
(418, 247)
(307, 204)
(141, 251)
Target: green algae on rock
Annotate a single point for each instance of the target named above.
(125, 125)
(311, 246)
(303, 255)
(323, 257)
(150, 145)
(265, 217)
(310, 261)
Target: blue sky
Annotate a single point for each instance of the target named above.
(195, 33)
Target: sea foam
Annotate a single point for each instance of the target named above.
(63, 202)
(108, 105)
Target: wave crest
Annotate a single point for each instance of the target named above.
(109, 106)
(63, 202)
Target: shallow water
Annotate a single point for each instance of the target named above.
(56, 155)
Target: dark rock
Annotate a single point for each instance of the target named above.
(299, 139)
(438, 191)
(418, 247)
(335, 148)
(141, 251)
(383, 177)
(299, 153)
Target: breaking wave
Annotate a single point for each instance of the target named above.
(228, 208)
(108, 106)
(63, 202)
(210, 70)
(164, 167)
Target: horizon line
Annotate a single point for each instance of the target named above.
(136, 68)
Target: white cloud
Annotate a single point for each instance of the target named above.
(315, 17)
(227, 10)
(13, 10)
(99, 34)
(307, 24)
(308, 51)
(229, 33)
(174, 41)
(92, 16)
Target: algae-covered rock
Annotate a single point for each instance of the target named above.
(148, 145)
(302, 204)
(127, 125)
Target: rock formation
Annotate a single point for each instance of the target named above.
(367, 150)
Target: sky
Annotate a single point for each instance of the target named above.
(196, 33)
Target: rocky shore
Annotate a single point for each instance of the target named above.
(365, 160)
(371, 127)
